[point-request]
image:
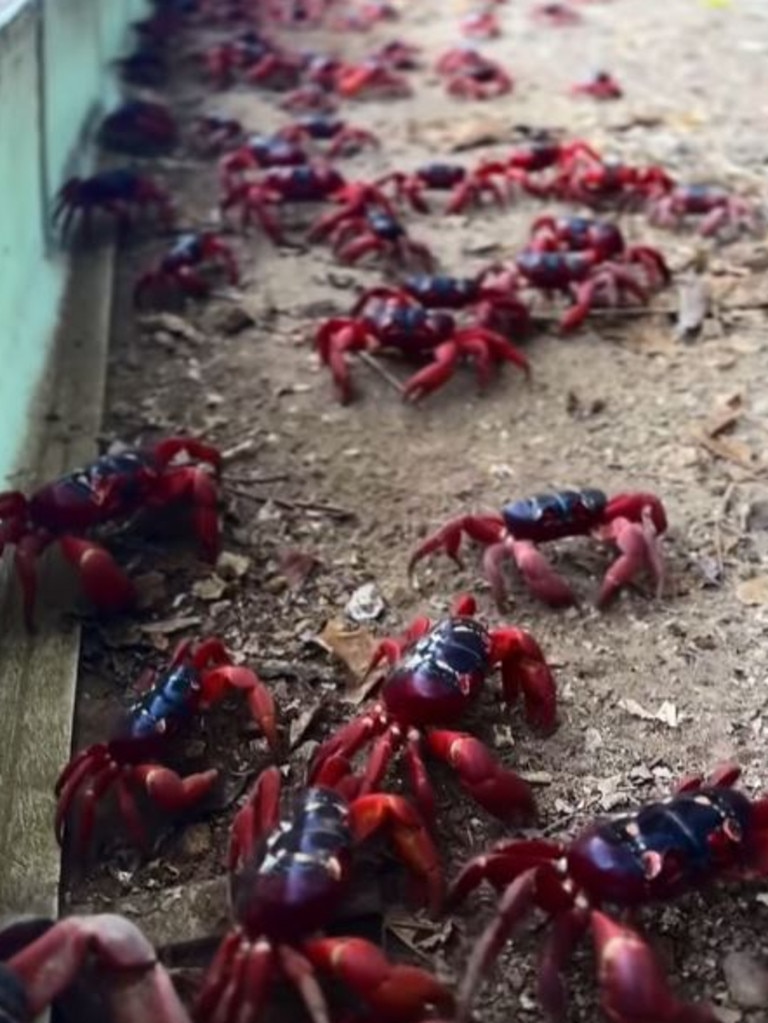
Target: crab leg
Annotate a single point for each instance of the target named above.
(104, 583)
(538, 574)
(499, 791)
(395, 815)
(445, 356)
(524, 668)
(633, 988)
(257, 817)
(218, 681)
(484, 529)
(393, 992)
(49, 965)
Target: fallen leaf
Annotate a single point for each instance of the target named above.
(150, 589)
(209, 589)
(668, 715)
(693, 306)
(730, 451)
(723, 419)
(300, 724)
(636, 709)
(170, 625)
(297, 566)
(753, 591)
(352, 644)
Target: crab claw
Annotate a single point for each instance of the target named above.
(632, 983)
(219, 680)
(394, 993)
(635, 533)
(499, 791)
(49, 965)
(371, 813)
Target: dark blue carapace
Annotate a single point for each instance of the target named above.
(169, 699)
(441, 290)
(662, 849)
(444, 670)
(385, 227)
(551, 516)
(123, 476)
(441, 175)
(292, 885)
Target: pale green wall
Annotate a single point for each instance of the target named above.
(55, 78)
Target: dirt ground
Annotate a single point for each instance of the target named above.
(650, 689)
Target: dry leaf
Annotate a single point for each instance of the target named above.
(150, 589)
(209, 589)
(300, 724)
(668, 715)
(753, 591)
(730, 451)
(352, 644)
(297, 566)
(636, 709)
(170, 625)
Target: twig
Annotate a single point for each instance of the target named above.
(279, 477)
(332, 510)
(632, 312)
(377, 367)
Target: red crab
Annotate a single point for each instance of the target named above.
(718, 209)
(307, 184)
(497, 309)
(481, 24)
(374, 76)
(344, 139)
(633, 522)
(259, 152)
(415, 333)
(705, 833)
(179, 270)
(362, 18)
(379, 232)
(277, 70)
(602, 85)
(309, 99)
(198, 676)
(467, 188)
(356, 199)
(115, 192)
(486, 82)
(289, 874)
(524, 164)
(106, 952)
(139, 128)
(213, 132)
(436, 672)
(398, 55)
(596, 183)
(556, 14)
(583, 276)
(114, 488)
(601, 237)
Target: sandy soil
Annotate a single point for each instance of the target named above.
(649, 690)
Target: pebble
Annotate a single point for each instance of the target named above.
(365, 605)
(196, 841)
(747, 978)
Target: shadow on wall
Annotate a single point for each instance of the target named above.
(55, 78)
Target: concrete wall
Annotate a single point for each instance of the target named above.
(55, 79)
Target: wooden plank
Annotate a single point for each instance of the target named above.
(38, 674)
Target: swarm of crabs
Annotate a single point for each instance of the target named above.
(292, 864)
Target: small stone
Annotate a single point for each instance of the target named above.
(727, 1015)
(232, 566)
(365, 605)
(233, 320)
(747, 978)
